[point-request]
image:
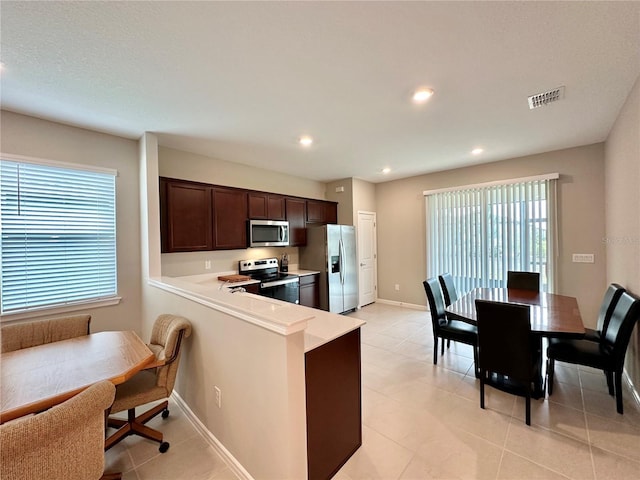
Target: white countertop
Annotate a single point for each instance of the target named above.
(281, 317)
(302, 273)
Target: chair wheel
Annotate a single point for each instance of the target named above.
(165, 413)
(164, 446)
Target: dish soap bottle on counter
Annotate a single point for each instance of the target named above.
(284, 262)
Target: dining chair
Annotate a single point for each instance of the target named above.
(446, 328)
(606, 353)
(448, 288)
(149, 385)
(506, 358)
(611, 297)
(30, 334)
(64, 442)
(523, 280)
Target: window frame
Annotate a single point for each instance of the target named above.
(75, 305)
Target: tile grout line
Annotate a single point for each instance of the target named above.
(586, 423)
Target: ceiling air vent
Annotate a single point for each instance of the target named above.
(545, 98)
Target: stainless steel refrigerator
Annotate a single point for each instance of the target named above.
(331, 249)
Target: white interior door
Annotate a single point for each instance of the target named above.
(367, 262)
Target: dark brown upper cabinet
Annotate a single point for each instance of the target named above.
(197, 216)
(229, 218)
(266, 206)
(319, 211)
(185, 216)
(297, 218)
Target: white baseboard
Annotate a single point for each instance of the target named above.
(402, 304)
(231, 461)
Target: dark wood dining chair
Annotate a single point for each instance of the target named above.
(607, 353)
(505, 350)
(523, 280)
(448, 288)
(446, 328)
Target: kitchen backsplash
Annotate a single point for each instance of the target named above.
(194, 263)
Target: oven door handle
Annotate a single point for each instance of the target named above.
(279, 282)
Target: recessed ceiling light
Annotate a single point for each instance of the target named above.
(305, 140)
(386, 170)
(422, 95)
(477, 151)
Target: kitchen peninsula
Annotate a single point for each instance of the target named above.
(314, 354)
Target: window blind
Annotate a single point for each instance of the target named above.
(58, 235)
(479, 233)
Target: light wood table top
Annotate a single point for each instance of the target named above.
(551, 315)
(34, 379)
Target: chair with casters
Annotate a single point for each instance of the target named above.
(446, 328)
(448, 288)
(523, 280)
(505, 350)
(30, 334)
(606, 353)
(64, 442)
(155, 383)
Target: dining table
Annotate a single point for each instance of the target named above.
(37, 378)
(551, 315)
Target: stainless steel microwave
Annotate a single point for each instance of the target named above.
(268, 233)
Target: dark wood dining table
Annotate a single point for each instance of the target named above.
(552, 315)
(37, 378)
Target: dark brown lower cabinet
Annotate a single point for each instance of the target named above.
(310, 290)
(334, 413)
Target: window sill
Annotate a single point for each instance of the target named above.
(59, 309)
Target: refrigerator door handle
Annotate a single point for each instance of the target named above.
(342, 262)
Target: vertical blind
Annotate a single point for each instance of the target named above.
(58, 235)
(479, 233)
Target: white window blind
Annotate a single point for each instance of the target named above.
(479, 233)
(58, 235)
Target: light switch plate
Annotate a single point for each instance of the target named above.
(583, 258)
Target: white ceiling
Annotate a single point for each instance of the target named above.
(241, 81)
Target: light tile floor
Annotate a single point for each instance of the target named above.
(423, 421)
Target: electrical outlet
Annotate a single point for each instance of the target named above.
(207, 264)
(397, 287)
(583, 258)
(218, 397)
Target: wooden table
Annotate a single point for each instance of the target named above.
(551, 315)
(37, 378)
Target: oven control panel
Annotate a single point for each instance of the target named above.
(261, 264)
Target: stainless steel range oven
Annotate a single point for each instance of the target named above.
(273, 284)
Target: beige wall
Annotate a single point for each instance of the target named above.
(357, 195)
(344, 199)
(364, 197)
(260, 374)
(32, 137)
(400, 210)
(262, 421)
(622, 186)
(191, 166)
